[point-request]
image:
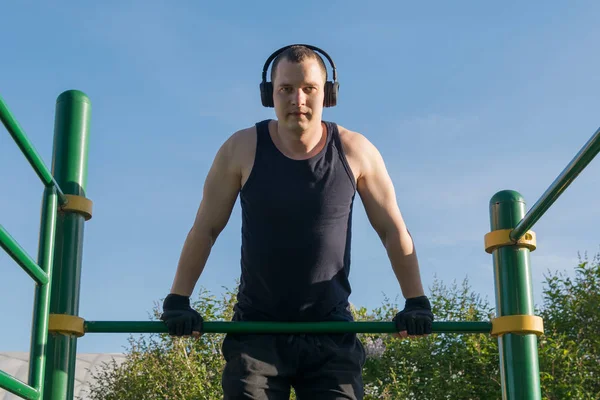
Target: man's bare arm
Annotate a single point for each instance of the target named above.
(220, 192)
(377, 193)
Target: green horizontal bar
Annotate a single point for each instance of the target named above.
(560, 184)
(282, 327)
(21, 257)
(28, 150)
(15, 386)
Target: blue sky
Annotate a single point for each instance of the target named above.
(462, 100)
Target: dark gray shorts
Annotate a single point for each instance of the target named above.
(318, 367)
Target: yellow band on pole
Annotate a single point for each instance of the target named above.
(78, 204)
(66, 324)
(501, 237)
(520, 324)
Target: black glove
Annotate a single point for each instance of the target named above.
(180, 318)
(416, 318)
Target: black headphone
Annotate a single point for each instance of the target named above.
(331, 88)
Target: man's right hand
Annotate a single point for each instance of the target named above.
(180, 318)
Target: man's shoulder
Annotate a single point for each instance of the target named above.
(242, 139)
(240, 146)
(248, 133)
(353, 141)
(243, 133)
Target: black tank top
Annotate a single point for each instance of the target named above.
(296, 234)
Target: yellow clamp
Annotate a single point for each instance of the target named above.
(78, 204)
(501, 237)
(522, 324)
(66, 324)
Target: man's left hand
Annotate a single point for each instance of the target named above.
(416, 318)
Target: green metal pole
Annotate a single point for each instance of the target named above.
(283, 327)
(71, 133)
(560, 184)
(519, 366)
(10, 245)
(39, 337)
(15, 386)
(30, 153)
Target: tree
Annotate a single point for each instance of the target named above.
(440, 366)
(159, 366)
(570, 347)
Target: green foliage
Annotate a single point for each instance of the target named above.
(440, 366)
(570, 349)
(161, 367)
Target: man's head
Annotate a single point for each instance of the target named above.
(298, 54)
(298, 76)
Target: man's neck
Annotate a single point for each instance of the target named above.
(300, 144)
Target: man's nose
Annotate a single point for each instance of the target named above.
(299, 97)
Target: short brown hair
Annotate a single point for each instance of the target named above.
(297, 54)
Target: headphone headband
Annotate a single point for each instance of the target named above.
(276, 53)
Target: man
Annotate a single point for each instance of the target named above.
(296, 177)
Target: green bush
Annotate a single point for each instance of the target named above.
(159, 366)
(440, 366)
(570, 348)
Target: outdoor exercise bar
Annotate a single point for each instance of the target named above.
(282, 327)
(17, 253)
(30, 153)
(560, 184)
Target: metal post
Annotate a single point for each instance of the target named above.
(519, 366)
(69, 167)
(39, 337)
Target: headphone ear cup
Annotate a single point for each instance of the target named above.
(331, 92)
(266, 94)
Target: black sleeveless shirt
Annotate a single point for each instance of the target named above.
(296, 234)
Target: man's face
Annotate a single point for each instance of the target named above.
(298, 93)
